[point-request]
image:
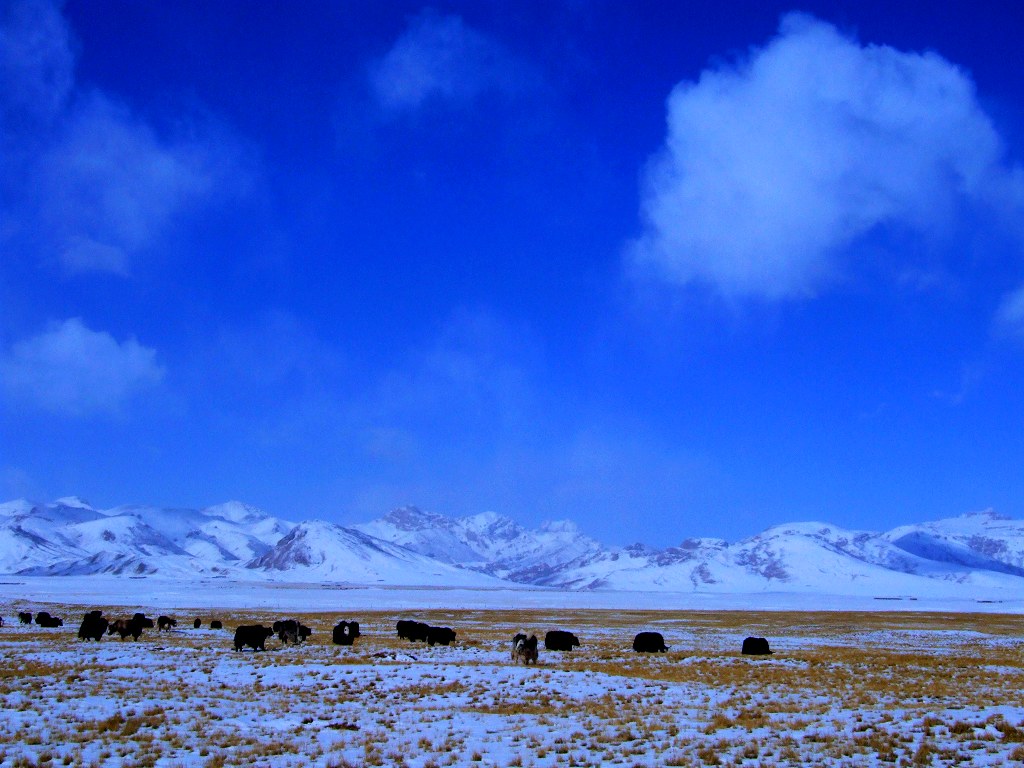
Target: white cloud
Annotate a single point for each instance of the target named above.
(36, 64)
(91, 184)
(72, 370)
(775, 165)
(109, 187)
(1010, 315)
(439, 57)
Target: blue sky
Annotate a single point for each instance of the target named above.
(665, 269)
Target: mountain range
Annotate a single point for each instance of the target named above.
(979, 554)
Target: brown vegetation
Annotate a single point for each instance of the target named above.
(891, 688)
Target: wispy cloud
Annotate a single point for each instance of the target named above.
(270, 363)
(36, 65)
(1010, 315)
(74, 371)
(475, 371)
(441, 58)
(109, 186)
(93, 183)
(774, 166)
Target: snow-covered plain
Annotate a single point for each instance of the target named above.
(897, 648)
(159, 594)
(843, 688)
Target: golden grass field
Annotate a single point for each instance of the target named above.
(872, 688)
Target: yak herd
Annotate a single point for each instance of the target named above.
(524, 649)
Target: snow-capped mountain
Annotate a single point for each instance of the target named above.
(978, 554)
(69, 537)
(324, 551)
(486, 542)
(972, 552)
(428, 533)
(977, 540)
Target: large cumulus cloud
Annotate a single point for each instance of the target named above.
(774, 167)
(72, 370)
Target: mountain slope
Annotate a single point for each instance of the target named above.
(486, 542)
(316, 550)
(976, 555)
(811, 557)
(977, 540)
(69, 537)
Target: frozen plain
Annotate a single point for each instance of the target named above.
(854, 681)
(158, 594)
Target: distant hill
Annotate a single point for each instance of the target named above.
(971, 555)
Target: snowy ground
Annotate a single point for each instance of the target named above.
(851, 688)
(162, 594)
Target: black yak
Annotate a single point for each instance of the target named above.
(253, 635)
(412, 630)
(94, 626)
(649, 642)
(440, 635)
(756, 646)
(345, 632)
(560, 640)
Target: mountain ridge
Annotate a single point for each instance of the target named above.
(974, 552)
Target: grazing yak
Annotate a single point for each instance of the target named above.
(440, 635)
(216, 624)
(197, 624)
(291, 631)
(560, 640)
(25, 617)
(143, 621)
(649, 642)
(253, 635)
(417, 630)
(94, 626)
(125, 627)
(164, 623)
(286, 630)
(44, 619)
(524, 648)
(412, 630)
(345, 632)
(756, 646)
